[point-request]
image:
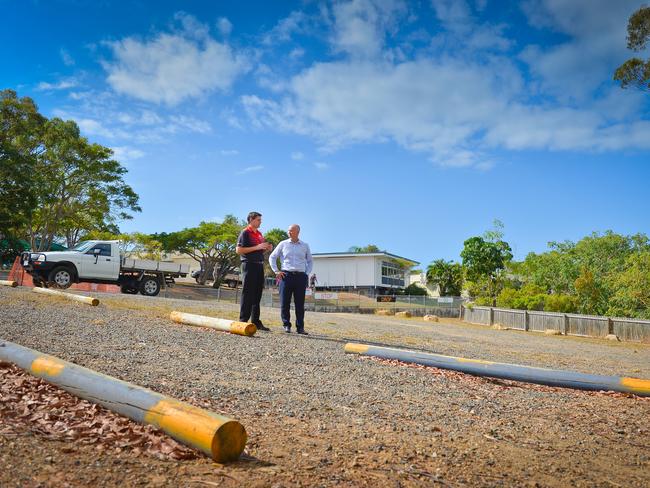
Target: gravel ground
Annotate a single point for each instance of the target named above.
(318, 417)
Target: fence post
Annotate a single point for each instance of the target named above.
(566, 324)
(219, 294)
(610, 326)
(491, 320)
(526, 320)
(236, 295)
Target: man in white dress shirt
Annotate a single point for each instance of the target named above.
(296, 264)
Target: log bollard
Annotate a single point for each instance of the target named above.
(12, 284)
(221, 438)
(232, 326)
(70, 296)
(515, 372)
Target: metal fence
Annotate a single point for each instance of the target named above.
(636, 330)
(355, 302)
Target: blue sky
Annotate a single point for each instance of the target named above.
(410, 125)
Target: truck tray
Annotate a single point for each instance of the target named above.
(148, 265)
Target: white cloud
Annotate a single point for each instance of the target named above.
(297, 53)
(596, 44)
(295, 22)
(142, 118)
(251, 169)
(135, 126)
(66, 57)
(190, 123)
(229, 152)
(453, 110)
(360, 26)
(463, 29)
(126, 153)
(171, 67)
(297, 155)
(224, 26)
(91, 127)
(83, 95)
(421, 105)
(461, 98)
(61, 85)
(321, 166)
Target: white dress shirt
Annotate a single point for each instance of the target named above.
(294, 256)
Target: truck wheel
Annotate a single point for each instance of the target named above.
(60, 277)
(149, 286)
(129, 290)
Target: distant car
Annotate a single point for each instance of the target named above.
(231, 280)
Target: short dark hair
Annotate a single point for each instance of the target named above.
(252, 216)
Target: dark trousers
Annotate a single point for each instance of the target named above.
(251, 293)
(293, 284)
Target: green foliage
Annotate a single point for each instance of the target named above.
(212, 244)
(635, 71)
(81, 188)
(21, 128)
(483, 301)
(560, 303)
(632, 288)
(414, 289)
(555, 271)
(368, 248)
(590, 273)
(485, 259)
(447, 276)
(55, 184)
(533, 297)
(275, 236)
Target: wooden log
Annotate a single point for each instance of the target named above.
(221, 438)
(12, 284)
(384, 311)
(232, 326)
(70, 296)
(515, 372)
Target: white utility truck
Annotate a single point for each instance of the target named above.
(100, 262)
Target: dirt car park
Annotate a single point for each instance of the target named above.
(315, 416)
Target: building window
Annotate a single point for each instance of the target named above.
(392, 274)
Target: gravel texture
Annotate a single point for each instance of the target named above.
(318, 417)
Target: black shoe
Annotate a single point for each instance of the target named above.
(301, 332)
(261, 326)
(286, 328)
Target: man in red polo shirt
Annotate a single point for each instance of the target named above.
(251, 247)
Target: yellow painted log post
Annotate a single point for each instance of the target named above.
(515, 372)
(12, 284)
(70, 296)
(232, 326)
(221, 438)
